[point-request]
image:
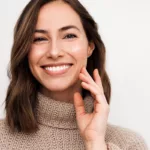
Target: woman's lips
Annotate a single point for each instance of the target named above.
(57, 70)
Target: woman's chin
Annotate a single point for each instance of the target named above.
(55, 88)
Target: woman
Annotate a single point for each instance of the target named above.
(59, 93)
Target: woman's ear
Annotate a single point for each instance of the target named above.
(91, 48)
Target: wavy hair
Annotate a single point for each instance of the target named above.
(21, 98)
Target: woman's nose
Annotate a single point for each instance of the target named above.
(54, 50)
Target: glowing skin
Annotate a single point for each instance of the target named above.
(58, 46)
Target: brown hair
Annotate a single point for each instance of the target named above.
(21, 98)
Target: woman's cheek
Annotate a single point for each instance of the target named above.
(79, 51)
(76, 48)
(37, 51)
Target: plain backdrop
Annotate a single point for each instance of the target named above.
(124, 26)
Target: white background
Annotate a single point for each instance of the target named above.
(125, 29)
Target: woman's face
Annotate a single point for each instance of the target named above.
(60, 47)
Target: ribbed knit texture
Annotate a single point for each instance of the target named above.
(58, 130)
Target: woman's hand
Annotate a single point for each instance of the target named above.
(92, 126)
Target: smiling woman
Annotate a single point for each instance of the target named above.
(60, 49)
(59, 92)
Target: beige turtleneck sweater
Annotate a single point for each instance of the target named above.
(58, 130)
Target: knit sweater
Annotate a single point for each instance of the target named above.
(58, 130)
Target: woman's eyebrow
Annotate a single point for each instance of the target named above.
(68, 27)
(60, 30)
(41, 31)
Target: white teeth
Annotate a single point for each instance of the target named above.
(57, 68)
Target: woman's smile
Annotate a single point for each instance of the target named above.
(57, 70)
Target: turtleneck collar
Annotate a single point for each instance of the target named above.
(59, 114)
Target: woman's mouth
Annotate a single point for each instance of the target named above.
(57, 70)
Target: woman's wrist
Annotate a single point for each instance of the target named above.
(97, 145)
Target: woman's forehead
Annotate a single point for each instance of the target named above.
(58, 14)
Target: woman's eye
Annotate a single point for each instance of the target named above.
(39, 39)
(68, 36)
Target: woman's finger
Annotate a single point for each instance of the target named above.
(95, 91)
(99, 98)
(97, 79)
(87, 78)
(79, 104)
(84, 71)
(84, 78)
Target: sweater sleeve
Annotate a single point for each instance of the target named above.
(120, 138)
(138, 143)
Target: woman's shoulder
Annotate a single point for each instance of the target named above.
(7, 137)
(4, 130)
(125, 138)
(3, 127)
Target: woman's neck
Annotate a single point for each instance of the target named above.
(65, 96)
